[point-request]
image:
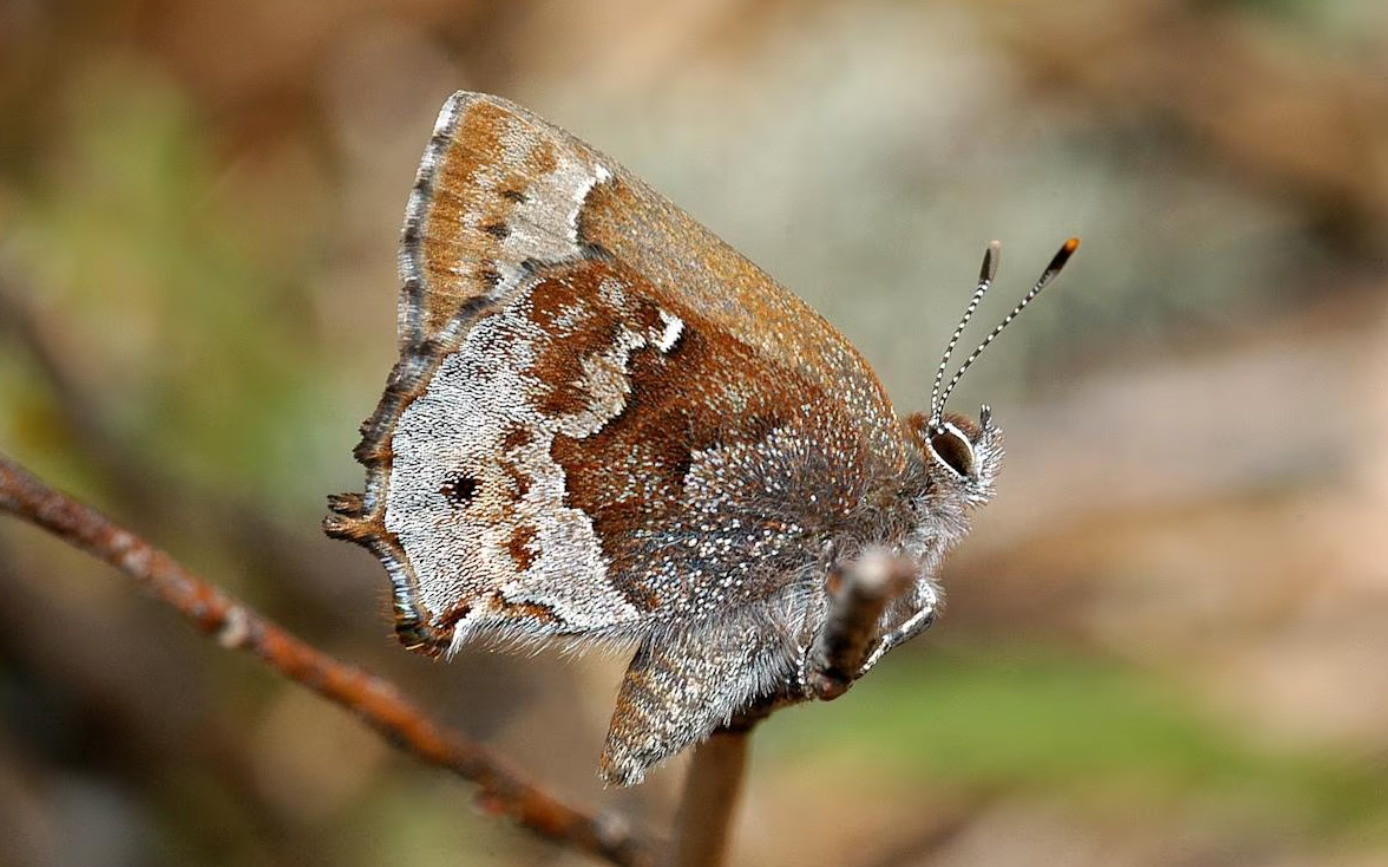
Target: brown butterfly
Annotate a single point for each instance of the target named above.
(606, 425)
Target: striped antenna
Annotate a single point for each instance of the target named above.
(1057, 263)
(991, 257)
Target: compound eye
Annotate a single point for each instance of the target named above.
(953, 449)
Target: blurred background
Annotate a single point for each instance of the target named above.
(1167, 639)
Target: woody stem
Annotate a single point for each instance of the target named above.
(711, 795)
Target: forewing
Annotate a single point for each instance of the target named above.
(600, 411)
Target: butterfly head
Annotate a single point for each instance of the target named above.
(962, 457)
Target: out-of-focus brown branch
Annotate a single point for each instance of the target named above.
(245, 536)
(712, 792)
(858, 594)
(18, 322)
(503, 790)
(135, 482)
(142, 486)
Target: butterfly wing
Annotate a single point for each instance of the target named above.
(603, 417)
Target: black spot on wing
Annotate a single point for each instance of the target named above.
(459, 489)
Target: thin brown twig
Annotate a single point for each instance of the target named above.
(711, 795)
(246, 538)
(504, 791)
(859, 591)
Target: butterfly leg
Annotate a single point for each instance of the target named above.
(917, 623)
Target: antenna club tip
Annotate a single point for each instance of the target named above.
(1061, 257)
(989, 270)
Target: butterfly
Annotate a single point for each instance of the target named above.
(606, 426)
